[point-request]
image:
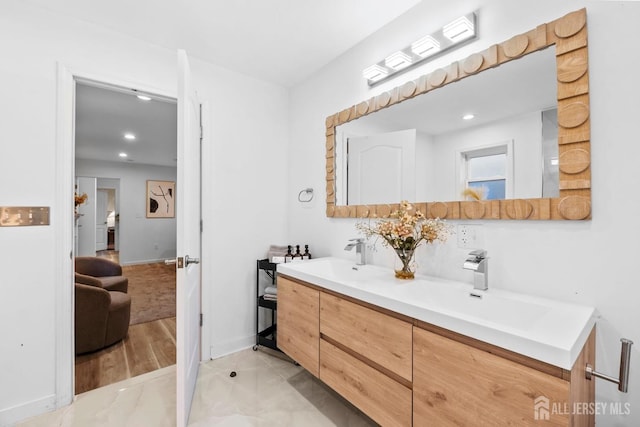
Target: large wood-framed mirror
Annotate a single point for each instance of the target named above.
(570, 195)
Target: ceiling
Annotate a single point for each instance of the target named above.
(104, 115)
(282, 41)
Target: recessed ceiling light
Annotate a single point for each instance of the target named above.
(129, 136)
(122, 154)
(468, 116)
(144, 98)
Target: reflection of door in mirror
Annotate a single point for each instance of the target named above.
(381, 168)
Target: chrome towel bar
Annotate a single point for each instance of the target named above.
(623, 377)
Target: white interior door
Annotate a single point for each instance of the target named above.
(382, 168)
(101, 220)
(188, 241)
(87, 219)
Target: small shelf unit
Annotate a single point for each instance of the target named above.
(266, 337)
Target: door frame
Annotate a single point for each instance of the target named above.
(63, 221)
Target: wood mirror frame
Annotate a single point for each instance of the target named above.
(569, 35)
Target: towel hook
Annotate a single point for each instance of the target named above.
(309, 192)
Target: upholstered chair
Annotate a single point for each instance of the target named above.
(100, 272)
(102, 317)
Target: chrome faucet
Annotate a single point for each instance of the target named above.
(477, 262)
(359, 244)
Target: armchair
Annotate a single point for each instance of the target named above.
(101, 318)
(100, 272)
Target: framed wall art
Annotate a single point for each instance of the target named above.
(161, 199)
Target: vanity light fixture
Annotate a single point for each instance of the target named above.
(457, 31)
(375, 73)
(460, 29)
(129, 136)
(426, 46)
(398, 60)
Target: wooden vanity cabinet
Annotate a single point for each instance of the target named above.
(365, 356)
(383, 340)
(299, 323)
(458, 384)
(401, 371)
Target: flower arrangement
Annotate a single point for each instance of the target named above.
(79, 199)
(407, 229)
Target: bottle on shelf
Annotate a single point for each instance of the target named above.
(297, 256)
(306, 254)
(289, 256)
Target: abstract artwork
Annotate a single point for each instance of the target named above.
(161, 199)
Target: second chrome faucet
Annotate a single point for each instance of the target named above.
(479, 264)
(359, 244)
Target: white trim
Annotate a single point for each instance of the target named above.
(63, 219)
(10, 416)
(232, 346)
(63, 224)
(207, 247)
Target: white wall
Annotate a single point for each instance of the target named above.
(589, 262)
(142, 239)
(526, 133)
(244, 172)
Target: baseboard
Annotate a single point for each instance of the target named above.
(10, 416)
(233, 346)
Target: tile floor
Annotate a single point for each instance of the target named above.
(267, 391)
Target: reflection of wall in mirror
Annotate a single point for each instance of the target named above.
(436, 160)
(524, 130)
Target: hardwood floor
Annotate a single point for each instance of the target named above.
(147, 347)
(150, 344)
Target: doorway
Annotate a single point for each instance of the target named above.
(123, 138)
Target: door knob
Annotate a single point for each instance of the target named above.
(188, 260)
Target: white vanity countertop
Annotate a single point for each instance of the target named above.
(541, 328)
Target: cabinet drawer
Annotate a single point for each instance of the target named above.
(455, 384)
(378, 337)
(386, 401)
(298, 323)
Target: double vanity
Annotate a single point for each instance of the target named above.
(436, 352)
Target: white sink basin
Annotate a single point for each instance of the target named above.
(486, 307)
(544, 329)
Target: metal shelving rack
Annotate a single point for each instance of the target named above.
(268, 336)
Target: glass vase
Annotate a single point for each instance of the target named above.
(405, 266)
